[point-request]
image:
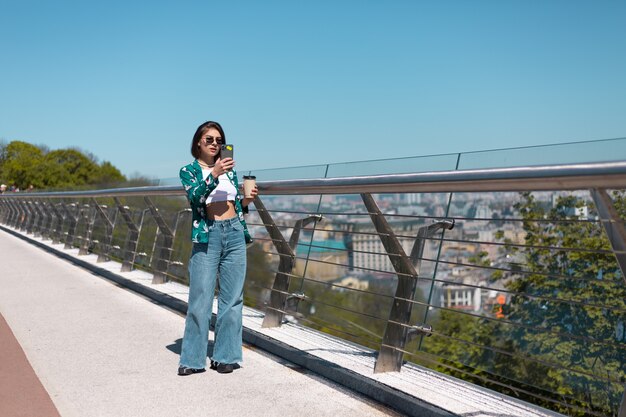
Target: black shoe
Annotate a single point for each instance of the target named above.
(184, 371)
(213, 365)
(224, 368)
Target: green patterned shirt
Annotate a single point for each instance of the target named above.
(198, 190)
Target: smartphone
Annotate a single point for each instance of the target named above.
(226, 151)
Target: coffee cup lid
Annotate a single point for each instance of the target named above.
(249, 177)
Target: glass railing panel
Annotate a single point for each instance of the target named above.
(270, 174)
(262, 265)
(180, 220)
(305, 172)
(169, 181)
(570, 153)
(333, 283)
(394, 166)
(285, 211)
(348, 308)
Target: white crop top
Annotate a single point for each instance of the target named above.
(225, 190)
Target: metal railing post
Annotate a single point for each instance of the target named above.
(40, 218)
(36, 217)
(25, 216)
(5, 210)
(28, 217)
(157, 235)
(109, 226)
(13, 212)
(398, 325)
(57, 225)
(613, 225)
(280, 288)
(19, 219)
(31, 217)
(165, 252)
(72, 220)
(48, 214)
(89, 214)
(180, 214)
(616, 233)
(16, 213)
(132, 238)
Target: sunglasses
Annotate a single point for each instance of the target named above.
(210, 139)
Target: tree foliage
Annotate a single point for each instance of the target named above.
(24, 164)
(561, 343)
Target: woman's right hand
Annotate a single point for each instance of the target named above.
(222, 165)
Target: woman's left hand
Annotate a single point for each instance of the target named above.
(253, 193)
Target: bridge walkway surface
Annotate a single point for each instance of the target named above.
(99, 350)
(106, 343)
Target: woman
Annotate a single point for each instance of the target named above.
(219, 235)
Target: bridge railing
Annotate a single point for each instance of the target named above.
(511, 278)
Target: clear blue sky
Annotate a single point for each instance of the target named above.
(300, 83)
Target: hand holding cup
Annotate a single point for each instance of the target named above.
(250, 189)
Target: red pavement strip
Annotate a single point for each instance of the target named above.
(21, 392)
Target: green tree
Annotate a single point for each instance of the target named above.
(575, 293)
(72, 167)
(107, 174)
(562, 338)
(24, 164)
(20, 164)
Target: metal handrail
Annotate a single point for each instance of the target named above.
(537, 178)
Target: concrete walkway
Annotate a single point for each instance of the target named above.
(100, 350)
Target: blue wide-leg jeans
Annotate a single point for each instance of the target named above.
(225, 253)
